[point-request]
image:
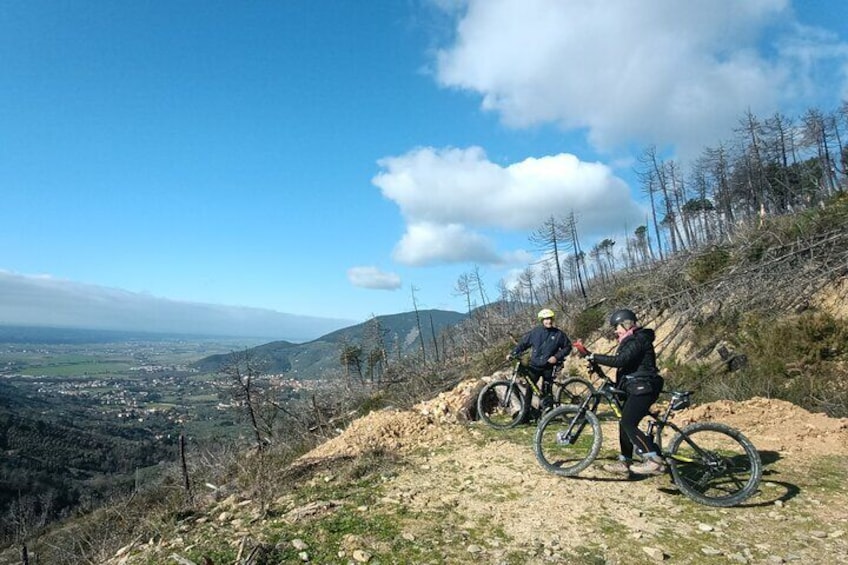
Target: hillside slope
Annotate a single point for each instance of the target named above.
(399, 336)
(423, 486)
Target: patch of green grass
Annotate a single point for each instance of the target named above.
(826, 474)
(202, 398)
(521, 434)
(214, 549)
(379, 531)
(83, 368)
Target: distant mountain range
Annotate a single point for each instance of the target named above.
(44, 301)
(314, 358)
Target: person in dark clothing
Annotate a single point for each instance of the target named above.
(637, 375)
(550, 346)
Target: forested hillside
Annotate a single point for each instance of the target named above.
(364, 349)
(60, 456)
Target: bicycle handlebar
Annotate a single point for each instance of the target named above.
(581, 349)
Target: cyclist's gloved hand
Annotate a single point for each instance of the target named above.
(581, 349)
(509, 356)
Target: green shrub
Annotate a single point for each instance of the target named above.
(631, 293)
(709, 265)
(588, 321)
(371, 403)
(800, 359)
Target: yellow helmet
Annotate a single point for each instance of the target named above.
(545, 313)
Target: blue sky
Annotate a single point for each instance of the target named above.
(323, 158)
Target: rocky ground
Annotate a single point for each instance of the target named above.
(792, 519)
(476, 479)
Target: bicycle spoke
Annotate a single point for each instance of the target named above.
(714, 464)
(567, 441)
(500, 405)
(573, 391)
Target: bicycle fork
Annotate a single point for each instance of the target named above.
(569, 435)
(505, 401)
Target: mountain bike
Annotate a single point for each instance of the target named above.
(502, 404)
(711, 463)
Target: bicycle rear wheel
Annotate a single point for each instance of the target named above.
(567, 440)
(714, 464)
(573, 390)
(501, 405)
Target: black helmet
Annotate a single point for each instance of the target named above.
(621, 315)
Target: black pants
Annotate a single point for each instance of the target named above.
(547, 374)
(636, 407)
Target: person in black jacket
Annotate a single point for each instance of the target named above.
(637, 375)
(550, 346)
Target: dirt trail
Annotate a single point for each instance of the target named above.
(458, 467)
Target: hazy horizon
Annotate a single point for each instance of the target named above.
(48, 302)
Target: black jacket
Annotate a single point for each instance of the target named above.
(635, 356)
(545, 343)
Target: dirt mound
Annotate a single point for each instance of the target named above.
(776, 425)
(393, 430)
(771, 424)
(387, 430)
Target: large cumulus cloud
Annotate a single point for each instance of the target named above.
(451, 197)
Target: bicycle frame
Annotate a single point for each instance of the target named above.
(711, 463)
(657, 423)
(522, 370)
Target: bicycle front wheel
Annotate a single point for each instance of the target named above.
(567, 440)
(501, 405)
(573, 390)
(714, 464)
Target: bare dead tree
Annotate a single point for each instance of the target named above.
(462, 287)
(816, 135)
(751, 131)
(842, 116)
(242, 371)
(717, 162)
(549, 238)
(184, 467)
(781, 153)
(568, 228)
(677, 190)
(525, 280)
(418, 324)
(476, 280)
(374, 343)
(435, 341)
(650, 187)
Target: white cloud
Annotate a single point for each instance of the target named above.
(428, 243)
(449, 197)
(372, 277)
(662, 72)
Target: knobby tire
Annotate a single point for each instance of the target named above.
(567, 441)
(501, 408)
(726, 474)
(574, 390)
